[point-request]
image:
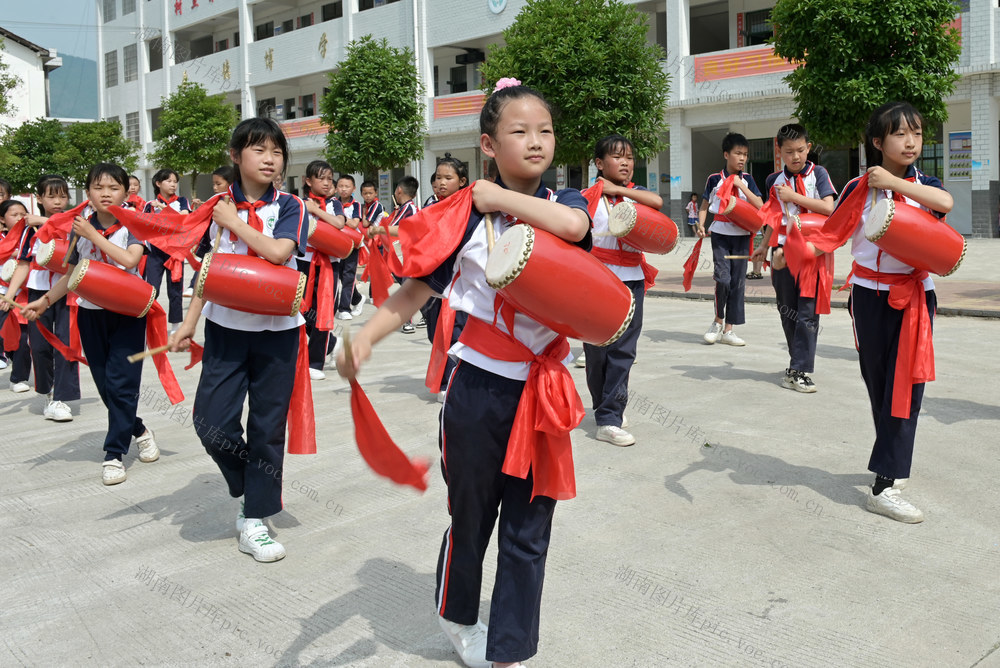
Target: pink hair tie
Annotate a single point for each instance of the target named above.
(506, 82)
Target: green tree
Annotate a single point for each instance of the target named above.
(591, 61)
(91, 143)
(194, 131)
(372, 132)
(855, 56)
(8, 82)
(32, 149)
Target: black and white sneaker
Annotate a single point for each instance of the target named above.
(798, 381)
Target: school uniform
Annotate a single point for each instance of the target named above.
(433, 199)
(482, 399)
(347, 268)
(692, 215)
(319, 339)
(799, 318)
(728, 238)
(53, 373)
(877, 333)
(157, 258)
(19, 358)
(108, 338)
(608, 366)
(248, 354)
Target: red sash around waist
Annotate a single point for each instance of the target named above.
(624, 258)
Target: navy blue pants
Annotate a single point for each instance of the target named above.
(432, 313)
(799, 320)
(876, 330)
(608, 367)
(346, 270)
(318, 339)
(108, 339)
(476, 422)
(175, 289)
(20, 359)
(237, 364)
(730, 276)
(52, 372)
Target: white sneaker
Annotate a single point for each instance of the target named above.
(890, 504)
(624, 421)
(57, 411)
(713, 333)
(581, 361)
(3, 363)
(188, 293)
(19, 387)
(900, 483)
(615, 435)
(469, 642)
(730, 339)
(148, 452)
(344, 315)
(257, 542)
(358, 308)
(316, 374)
(241, 518)
(112, 472)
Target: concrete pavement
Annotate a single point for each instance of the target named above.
(732, 534)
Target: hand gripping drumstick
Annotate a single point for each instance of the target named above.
(13, 304)
(218, 233)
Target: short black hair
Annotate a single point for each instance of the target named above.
(490, 114)
(226, 173)
(461, 169)
(255, 132)
(8, 204)
(409, 184)
(101, 169)
(369, 184)
(53, 184)
(160, 176)
(346, 176)
(732, 140)
(791, 132)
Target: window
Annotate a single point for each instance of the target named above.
(221, 45)
(459, 82)
(757, 27)
(132, 126)
(288, 26)
(236, 39)
(108, 10)
(333, 10)
(305, 21)
(113, 119)
(264, 30)
(155, 47)
(266, 107)
(130, 54)
(128, 7)
(308, 105)
(290, 108)
(110, 69)
(369, 4)
(154, 120)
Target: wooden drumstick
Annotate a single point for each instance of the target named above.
(147, 353)
(72, 245)
(11, 302)
(490, 241)
(218, 233)
(348, 352)
(737, 257)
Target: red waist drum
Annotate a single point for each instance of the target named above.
(250, 284)
(111, 288)
(51, 255)
(810, 223)
(560, 285)
(915, 237)
(328, 239)
(642, 227)
(743, 214)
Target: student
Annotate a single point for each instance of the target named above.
(165, 189)
(347, 268)
(729, 239)
(5, 190)
(134, 201)
(486, 388)
(222, 178)
(18, 358)
(893, 143)
(247, 353)
(692, 213)
(325, 209)
(433, 199)
(404, 193)
(608, 366)
(801, 186)
(55, 377)
(108, 338)
(372, 214)
(450, 175)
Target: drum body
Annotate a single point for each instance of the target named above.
(51, 255)
(111, 288)
(915, 237)
(642, 227)
(743, 214)
(328, 239)
(559, 285)
(810, 223)
(250, 284)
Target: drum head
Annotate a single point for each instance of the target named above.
(312, 226)
(879, 219)
(509, 256)
(199, 285)
(45, 252)
(622, 218)
(77, 275)
(7, 271)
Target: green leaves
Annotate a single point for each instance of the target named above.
(373, 108)
(859, 54)
(194, 131)
(591, 61)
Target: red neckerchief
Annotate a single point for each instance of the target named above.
(167, 202)
(106, 233)
(318, 199)
(253, 219)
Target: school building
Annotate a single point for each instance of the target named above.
(273, 58)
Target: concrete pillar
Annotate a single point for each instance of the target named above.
(985, 140)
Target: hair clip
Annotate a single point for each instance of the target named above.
(506, 82)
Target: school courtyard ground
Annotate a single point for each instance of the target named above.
(732, 534)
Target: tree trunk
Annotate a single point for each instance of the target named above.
(194, 181)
